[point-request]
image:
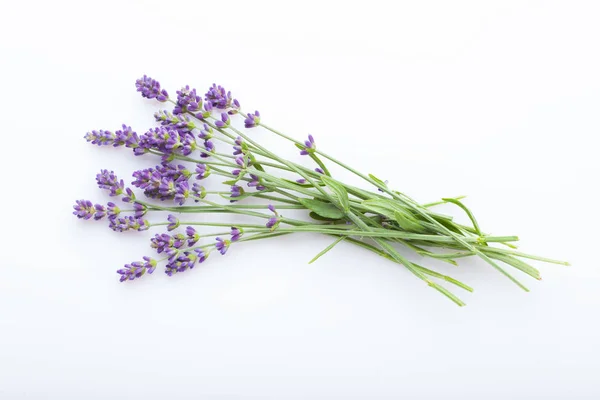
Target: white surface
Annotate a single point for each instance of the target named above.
(495, 100)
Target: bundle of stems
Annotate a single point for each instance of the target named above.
(384, 221)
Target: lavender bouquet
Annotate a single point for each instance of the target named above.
(196, 139)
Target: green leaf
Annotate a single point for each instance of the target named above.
(469, 213)
(231, 182)
(316, 216)
(326, 249)
(376, 179)
(255, 164)
(321, 208)
(339, 190)
(408, 222)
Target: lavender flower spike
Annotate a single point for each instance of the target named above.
(137, 269)
(309, 146)
(218, 97)
(274, 221)
(224, 122)
(236, 191)
(222, 245)
(109, 181)
(150, 89)
(192, 236)
(252, 120)
(202, 171)
(85, 209)
(236, 233)
(173, 222)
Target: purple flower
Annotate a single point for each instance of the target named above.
(182, 192)
(218, 97)
(181, 123)
(198, 191)
(150, 89)
(209, 147)
(139, 210)
(224, 121)
(242, 162)
(309, 146)
(166, 140)
(320, 171)
(236, 191)
(252, 120)
(202, 171)
(162, 181)
(126, 137)
(273, 222)
(130, 196)
(164, 242)
(112, 210)
(207, 112)
(236, 233)
(256, 182)
(206, 132)
(123, 224)
(187, 100)
(301, 181)
(180, 262)
(240, 147)
(235, 107)
(201, 254)
(109, 181)
(100, 137)
(222, 245)
(137, 269)
(84, 209)
(173, 222)
(192, 236)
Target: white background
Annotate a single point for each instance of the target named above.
(496, 100)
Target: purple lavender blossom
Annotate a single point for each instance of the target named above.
(236, 233)
(252, 120)
(164, 242)
(202, 171)
(240, 147)
(301, 181)
(137, 269)
(198, 191)
(182, 123)
(192, 236)
(166, 140)
(150, 89)
(123, 224)
(163, 181)
(109, 181)
(100, 137)
(235, 107)
(218, 97)
(187, 100)
(209, 147)
(126, 137)
(224, 122)
(139, 210)
(180, 262)
(206, 133)
(320, 171)
(201, 254)
(182, 192)
(84, 209)
(129, 196)
(207, 112)
(236, 191)
(222, 245)
(112, 210)
(273, 222)
(241, 161)
(256, 182)
(173, 222)
(309, 146)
